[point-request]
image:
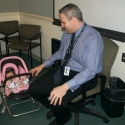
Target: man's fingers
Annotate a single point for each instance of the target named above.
(35, 72)
(52, 99)
(60, 101)
(55, 100)
(31, 71)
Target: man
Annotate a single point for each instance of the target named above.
(84, 63)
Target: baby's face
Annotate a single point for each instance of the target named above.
(9, 74)
(21, 79)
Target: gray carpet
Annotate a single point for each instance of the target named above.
(39, 118)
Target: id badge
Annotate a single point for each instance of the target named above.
(66, 70)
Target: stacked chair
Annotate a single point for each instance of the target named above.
(9, 31)
(28, 33)
(21, 37)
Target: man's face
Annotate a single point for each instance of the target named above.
(66, 24)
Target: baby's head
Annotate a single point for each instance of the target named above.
(9, 72)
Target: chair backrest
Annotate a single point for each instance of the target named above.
(109, 55)
(27, 31)
(9, 27)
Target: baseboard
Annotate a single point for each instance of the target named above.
(33, 55)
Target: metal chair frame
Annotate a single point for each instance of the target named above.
(8, 107)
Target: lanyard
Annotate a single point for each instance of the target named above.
(68, 52)
(79, 35)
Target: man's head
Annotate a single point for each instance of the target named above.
(70, 17)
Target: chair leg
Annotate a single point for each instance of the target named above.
(94, 113)
(20, 53)
(41, 54)
(0, 49)
(31, 59)
(8, 53)
(40, 49)
(6, 49)
(76, 114)
(79, 107)
(0, 52)
(28, 51)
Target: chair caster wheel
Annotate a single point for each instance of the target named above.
(106, 120)
(49, 115)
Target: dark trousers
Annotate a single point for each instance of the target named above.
(40, 90)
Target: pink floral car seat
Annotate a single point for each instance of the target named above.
(19, 82)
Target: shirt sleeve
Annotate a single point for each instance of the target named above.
(94, 50)
(57, 55)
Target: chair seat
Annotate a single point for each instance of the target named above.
(20, 45)
(88, 93)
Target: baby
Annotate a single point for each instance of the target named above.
(16, 84)
(12, 84)
(9, 72)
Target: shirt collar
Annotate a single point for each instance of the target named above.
(79, 30)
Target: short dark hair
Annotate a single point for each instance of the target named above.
(8, 70)
(71, 10)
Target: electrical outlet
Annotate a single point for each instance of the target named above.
(123, 57)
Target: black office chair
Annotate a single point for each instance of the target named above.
(29, 33)
(77, 105)
(8, 30)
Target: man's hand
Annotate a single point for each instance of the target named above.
(58, 93)
(35, 71)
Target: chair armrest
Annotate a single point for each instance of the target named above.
(37, 36)
(102, 77)
(103, 81)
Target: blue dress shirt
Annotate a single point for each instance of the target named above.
(86, 57)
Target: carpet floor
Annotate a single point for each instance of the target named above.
(39, 117)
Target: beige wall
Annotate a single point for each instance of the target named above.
(51, 31)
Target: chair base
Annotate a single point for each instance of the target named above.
(8, 107)
(79, 107)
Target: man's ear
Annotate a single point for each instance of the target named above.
(74, 20)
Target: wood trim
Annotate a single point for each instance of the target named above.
(36, 16)
(9, 14)
(27, 15)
